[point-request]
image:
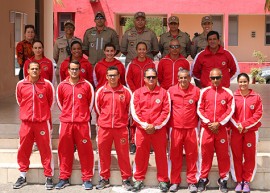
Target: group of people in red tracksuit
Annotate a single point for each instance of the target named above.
(196, 122)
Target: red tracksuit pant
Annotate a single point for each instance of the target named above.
(209, 143)
(243, 159)
(40, 132)
(69, 135)
(106, 137)
(143, 142)
(187, 139)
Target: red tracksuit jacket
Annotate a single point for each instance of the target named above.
(112, 106)
(168, 69)
(184, 107)
(75, 101)
(205, 61)
(86, 70)
(100, 72)
(135, 73)
(45, 65)
(216, 104)
(151, 107)
(35, 100)
(248, 111)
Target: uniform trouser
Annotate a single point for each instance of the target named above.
(41, 133)
(243, 159)
(78, 134)
(132, 129)
(106, 137)
(210, 142)
(187, 138)
(143, 141)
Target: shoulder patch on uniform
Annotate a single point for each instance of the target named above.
(196, 34)
(187, 34)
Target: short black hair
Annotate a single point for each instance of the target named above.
(74, 62)
(150, 69)
(75, 42)
(29, 26)
(113, 68)
(109, 45)
(213, 33)
(242, 74)
(39, 41)
(141, 43)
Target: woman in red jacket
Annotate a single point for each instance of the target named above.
(77, 54)
(46, 66)
(135, 78)
(244, 136)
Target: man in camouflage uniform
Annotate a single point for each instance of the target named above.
(137, 34)
(96, 37)
(174, 33)
(199, 42)
(61, 48)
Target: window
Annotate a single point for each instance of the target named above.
(62, 18)
(233, 30)
(267, 30)
(218, 24)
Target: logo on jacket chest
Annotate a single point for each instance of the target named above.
(40, 96)
(223, 102)
(79, 96)
(223, 63)
(82, 70)
(122, 97)
(191, 101)
(251, 107)
(45, 68)
(158, 101)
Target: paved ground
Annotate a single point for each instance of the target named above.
(7, 188)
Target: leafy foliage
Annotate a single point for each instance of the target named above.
(154, 23)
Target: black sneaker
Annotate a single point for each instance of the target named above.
(163, 186)
(87, 185)
(20, 183)
(132, 148)
(127, 185)
(192, 188)
(222, 185)
(202, 185)
(103, 184)
(62, 184)
(138, 185)
(49, 183)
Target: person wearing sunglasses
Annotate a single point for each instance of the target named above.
(150, 109)
(244, 136)
(95, 38)
(184, 132)
(169, 66)
(139, 33)
(112, 104)
(215, 108)
(62, 46)
(174, 33)
(75, 99)
(135, 79)
(214, 56)
(35, 97)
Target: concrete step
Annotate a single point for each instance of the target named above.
(9, 174)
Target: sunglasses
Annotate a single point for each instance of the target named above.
(112, 75)
(174, 46)
(99, 17)
(151, 77)
(215, 77)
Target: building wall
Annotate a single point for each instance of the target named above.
(246, 44)
(7, 49)
(251, 17)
